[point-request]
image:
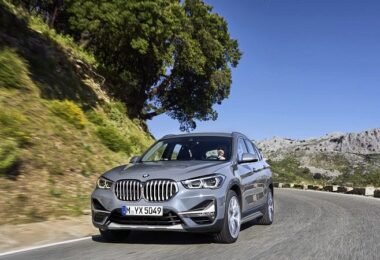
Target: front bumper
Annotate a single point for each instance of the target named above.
(198, 210)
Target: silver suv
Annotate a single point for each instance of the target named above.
(208, 182)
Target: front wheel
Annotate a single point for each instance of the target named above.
(267, 219)
(232, 220)
(114, 235)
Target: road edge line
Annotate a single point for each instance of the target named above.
(43, 246)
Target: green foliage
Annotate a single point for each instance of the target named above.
(66, 41)
(13, 70)
(159, 56)
(117, 131)
(116, 111)
(11, 126)
(70, 112)
(289, 170)
(331, 162)
(9, 156)
(95, 117)
(359, 179)
(112, 138)
(164, 56)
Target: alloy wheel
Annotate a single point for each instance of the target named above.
(234, 217)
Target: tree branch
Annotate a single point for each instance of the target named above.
(150, 115)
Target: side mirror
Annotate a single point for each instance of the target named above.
(134, 159)
(249, 157)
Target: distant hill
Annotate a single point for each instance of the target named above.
(335, 157)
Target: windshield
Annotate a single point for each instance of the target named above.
(201, 148)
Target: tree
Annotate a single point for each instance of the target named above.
(164, 56)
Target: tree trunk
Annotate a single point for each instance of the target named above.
(52, 20)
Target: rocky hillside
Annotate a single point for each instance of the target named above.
(336, 156)
(59, 130)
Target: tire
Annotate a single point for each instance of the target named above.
(268, 217)
(232, 214)
(114, 235)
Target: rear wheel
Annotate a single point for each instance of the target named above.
(267, 219)
(232, 220)
(114, 235)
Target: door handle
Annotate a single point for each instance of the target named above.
(257, 169)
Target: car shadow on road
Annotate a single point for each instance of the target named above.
(161, 238)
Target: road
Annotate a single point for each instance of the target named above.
(308, 225)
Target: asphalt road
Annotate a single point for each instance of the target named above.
(308, 225)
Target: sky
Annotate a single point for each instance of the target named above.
(309, 67)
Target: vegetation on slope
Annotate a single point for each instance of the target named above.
(289, 170)
(59, 130)
(161, 56)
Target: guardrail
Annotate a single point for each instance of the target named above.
(364, 191)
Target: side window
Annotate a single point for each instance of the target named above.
(175, 152)
(258, 152)
(251, 148)
(241, 148)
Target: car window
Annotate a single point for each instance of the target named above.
(156, 152)
(258, 152)
(204, 148)
(241, 148)
(176, 150)
(251, 149)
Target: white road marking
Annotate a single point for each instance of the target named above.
(44, 246)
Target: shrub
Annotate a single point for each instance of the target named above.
(70, 112)
(112, 138)
(95, 117)
(8, 156)
(116, 111)
(14, 71)
(11, 127)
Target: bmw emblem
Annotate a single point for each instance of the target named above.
(145, 175)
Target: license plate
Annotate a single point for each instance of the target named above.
(142, 210)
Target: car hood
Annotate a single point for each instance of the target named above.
(174, 170)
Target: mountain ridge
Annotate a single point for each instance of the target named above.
(334, 156)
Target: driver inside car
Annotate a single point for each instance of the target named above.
(221, 154)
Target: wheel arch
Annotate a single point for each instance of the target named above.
(234, 186)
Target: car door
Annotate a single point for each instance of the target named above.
(266, 172)
(258, 169)
(247, 178)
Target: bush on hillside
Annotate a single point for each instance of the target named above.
(8, 156)
(116, 111)
(14, 71)
(11, 126)
(115, 141)
(95, 118)
(70, 112)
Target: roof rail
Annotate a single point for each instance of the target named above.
(167, 136)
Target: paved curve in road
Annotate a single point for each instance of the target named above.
(308, 225)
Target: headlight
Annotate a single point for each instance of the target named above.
(208, 182)
(103, 183)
